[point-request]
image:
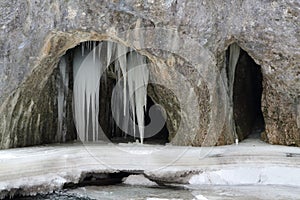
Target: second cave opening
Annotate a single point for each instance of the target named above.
(247, 94)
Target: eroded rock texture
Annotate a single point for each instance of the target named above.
(186, 42)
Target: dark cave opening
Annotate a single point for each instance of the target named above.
(247, 94)
(109, 131)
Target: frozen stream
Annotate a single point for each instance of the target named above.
(241, 192)
(211, 172)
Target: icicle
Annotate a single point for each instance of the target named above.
(233, 58)
(118, 106)
(61, 99)
(121, 55)
(87, 72)
(110, 48)
(65, 73)
(86, 94)
(234, 53)
(137, 85)
(94, 51)
(236, 141)
(109, 53)
(298, 115)
(82, 49)
(130, 64)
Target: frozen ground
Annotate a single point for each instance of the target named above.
(235, 169)
(123, 192)
(241, 192)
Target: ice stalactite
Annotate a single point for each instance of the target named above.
(87, 74)
(234, 53)
(137, 85)
(121, 55)
(62, 99)
(89, 67)
(298, 115)
(133, 86)
(121, 110)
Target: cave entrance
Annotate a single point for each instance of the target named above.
(113, 132)
(106, 127)
(247, 94)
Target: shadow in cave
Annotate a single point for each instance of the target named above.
(247, 93)
(109, 126)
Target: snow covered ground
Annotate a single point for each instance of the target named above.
(252, 163)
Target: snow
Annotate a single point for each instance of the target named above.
(251, 162)
(241, 192)
(249, 175)
(200, 197)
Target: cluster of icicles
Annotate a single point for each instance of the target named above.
(131, 72)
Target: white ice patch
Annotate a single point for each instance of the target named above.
(200, 197)
(276, 175)
(140, 180)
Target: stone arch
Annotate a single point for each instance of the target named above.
(25, 129)
(31, 117)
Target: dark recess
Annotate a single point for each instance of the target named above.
(98, 179)
(112, 131)
(247, 93)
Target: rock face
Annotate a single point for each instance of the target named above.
(186, 42)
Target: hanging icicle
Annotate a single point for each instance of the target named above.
(137, 85)
(121, 55)
(63, 82)
(86, 94)
(88, 68)
(234, 53)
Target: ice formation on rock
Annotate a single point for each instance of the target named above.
(234, 53)
(87, 74)
(137, 84)
(62, 99)
(89, 65)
